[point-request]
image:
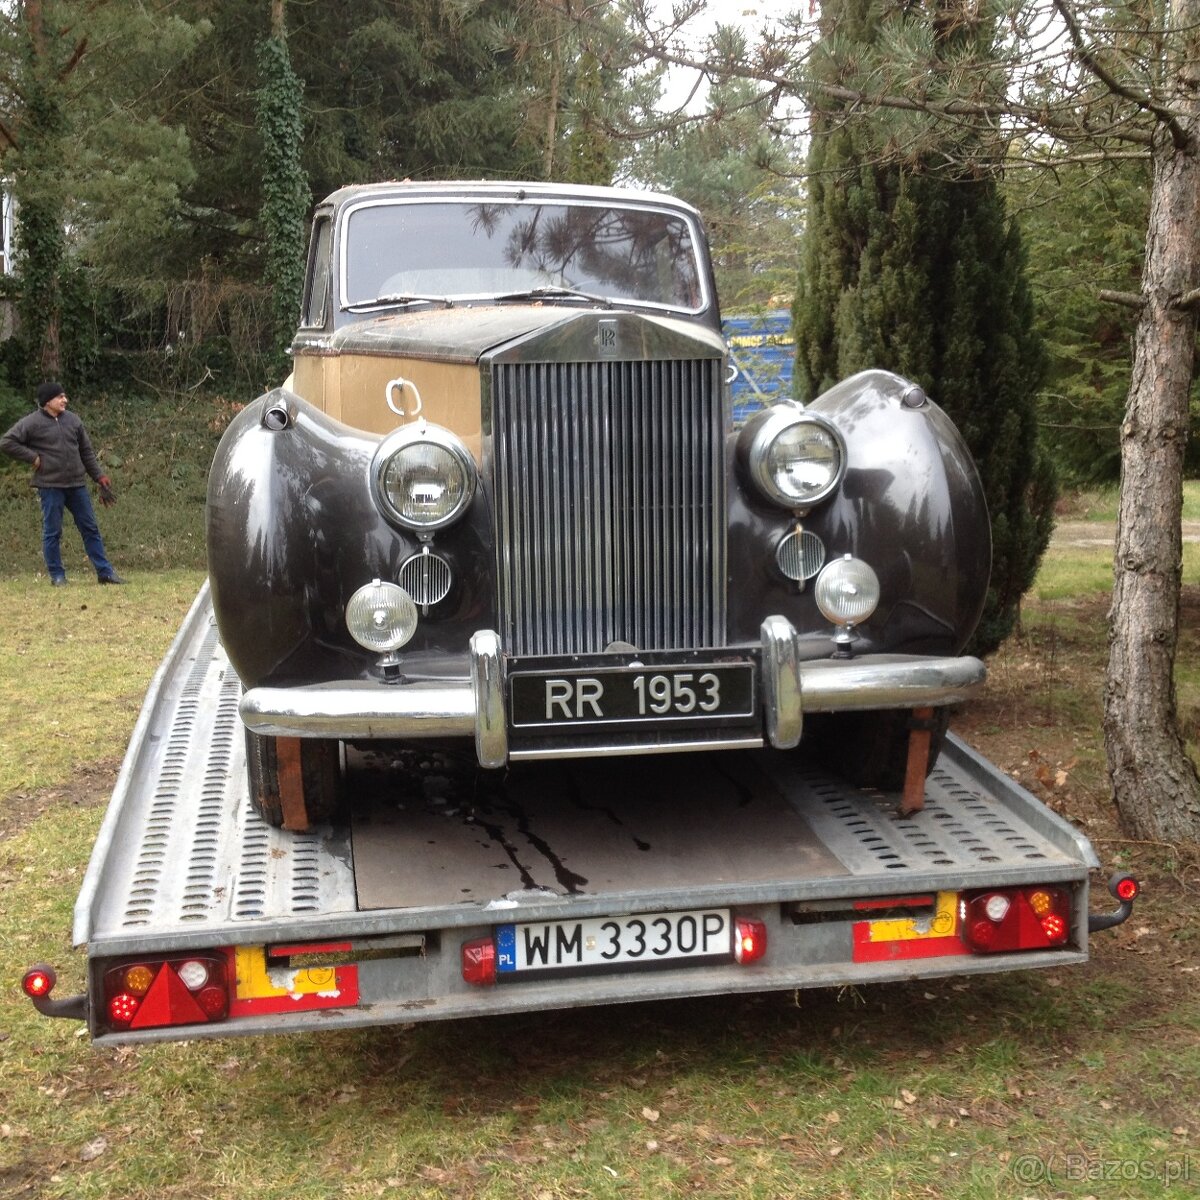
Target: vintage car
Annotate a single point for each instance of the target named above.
(501, 505)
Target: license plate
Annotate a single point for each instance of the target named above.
(638, 695)
(613, 941)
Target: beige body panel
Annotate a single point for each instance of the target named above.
(353, 388)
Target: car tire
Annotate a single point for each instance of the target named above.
(870, 749)
(295, 783)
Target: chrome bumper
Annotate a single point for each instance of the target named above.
(474, 707)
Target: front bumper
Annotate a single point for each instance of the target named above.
(358, 710)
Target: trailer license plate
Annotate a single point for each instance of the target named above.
(613, 941)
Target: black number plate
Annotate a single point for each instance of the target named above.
(649, 694)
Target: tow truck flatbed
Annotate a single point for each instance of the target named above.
(366, 923)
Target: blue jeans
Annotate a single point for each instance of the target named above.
(77, 501)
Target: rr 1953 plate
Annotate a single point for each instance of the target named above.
(601, 942)
(652, 693)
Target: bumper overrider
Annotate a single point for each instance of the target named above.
(478, 706)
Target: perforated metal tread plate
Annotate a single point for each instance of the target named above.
(181, 849)
(964, 827)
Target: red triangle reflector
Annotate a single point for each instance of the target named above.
(168, 1002)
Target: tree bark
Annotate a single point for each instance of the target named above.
(1155, 784)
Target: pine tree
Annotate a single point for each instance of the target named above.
(918, 268)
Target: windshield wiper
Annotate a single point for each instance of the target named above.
(555, 293)
(400, 298)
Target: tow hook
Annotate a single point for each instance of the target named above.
(1126, 889)
(38, 982)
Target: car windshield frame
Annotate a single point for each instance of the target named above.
(657, 248)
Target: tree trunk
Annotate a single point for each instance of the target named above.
(1154, 782)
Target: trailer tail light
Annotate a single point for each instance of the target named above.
(1030, 918)
(1126, 889)
(179, 991)
(750, 940)
(39, 982)
(479, 962)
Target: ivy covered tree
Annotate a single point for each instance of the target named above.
(39, 188)
(915, 266)
(286, 197)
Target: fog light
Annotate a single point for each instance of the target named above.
(846, 591)
(381, 617)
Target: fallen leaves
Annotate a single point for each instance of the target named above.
(93, 1150)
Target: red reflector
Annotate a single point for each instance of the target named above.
(479, 962)
(750, 940)
(1033, 918)
(168, 1002)
(39, 982)
(1127, 889)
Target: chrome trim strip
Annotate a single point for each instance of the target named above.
(783, 711)
(487, 686)
(888, 681)
(533, 196)
(362, 709)
(633, 749)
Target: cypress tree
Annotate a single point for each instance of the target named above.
(916, 267)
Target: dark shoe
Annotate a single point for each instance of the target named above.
(58, 581)
(113, 578)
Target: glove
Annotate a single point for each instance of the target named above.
(107, 496)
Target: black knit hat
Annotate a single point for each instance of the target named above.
(47, 391)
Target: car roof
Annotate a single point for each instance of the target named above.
(481, 189)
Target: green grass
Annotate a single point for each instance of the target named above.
(74, 665)
(1100, 504)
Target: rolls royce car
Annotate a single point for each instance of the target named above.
(501, 505)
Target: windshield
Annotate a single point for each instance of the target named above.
(461, 250)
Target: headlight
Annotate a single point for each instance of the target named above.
(795, 459)
(423, 477)
(847, 591)
(381, 617)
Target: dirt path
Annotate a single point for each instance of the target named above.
(1102, 533)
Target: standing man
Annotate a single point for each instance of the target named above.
(55, 443)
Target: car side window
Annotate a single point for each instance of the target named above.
(320, 262)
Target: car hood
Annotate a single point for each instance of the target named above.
(526, 332)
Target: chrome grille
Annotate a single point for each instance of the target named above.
(610, 505)
(426, 578)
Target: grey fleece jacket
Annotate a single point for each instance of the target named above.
(61, 443)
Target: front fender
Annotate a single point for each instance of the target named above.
(911, 505)
(292, 531)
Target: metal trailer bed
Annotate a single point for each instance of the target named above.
(438, 854)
